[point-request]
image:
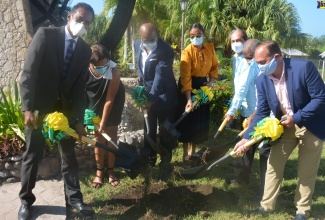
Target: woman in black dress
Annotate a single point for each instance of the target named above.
(198, 67)
(106, 96)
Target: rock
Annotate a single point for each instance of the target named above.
(4, 174)
(12, 180)
(9, 166)
(16, 157)
(15, 173)
(2, 165)
(17, 164)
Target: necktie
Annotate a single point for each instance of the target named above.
(67, 58)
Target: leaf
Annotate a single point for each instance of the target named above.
(17, 130)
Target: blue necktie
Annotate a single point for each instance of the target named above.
(67, 58)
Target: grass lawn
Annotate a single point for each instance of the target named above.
(208, 197)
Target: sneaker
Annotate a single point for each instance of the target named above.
(300, 217)
(259, 210)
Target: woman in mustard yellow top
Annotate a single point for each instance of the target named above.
(199, 67)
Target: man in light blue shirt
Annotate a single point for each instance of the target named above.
(241, 70)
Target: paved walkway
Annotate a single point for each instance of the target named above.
(49, 205)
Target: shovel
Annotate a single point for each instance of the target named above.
(155, 146)
(233, 153)
(170, 127)
(247, 144)
(215, 152)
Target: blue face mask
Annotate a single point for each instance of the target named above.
(101, 69)
(197, 41)
(269, 68)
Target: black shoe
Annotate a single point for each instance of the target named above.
(300, 217)
(24, 212)
(259, 210)
(82, 208)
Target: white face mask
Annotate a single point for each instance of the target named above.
(77, 29)
(197, 41)
(237, 47)
(269, 68)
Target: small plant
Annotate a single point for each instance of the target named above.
(223, 93)
(12, 138)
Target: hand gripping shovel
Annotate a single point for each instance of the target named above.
(92, 121)
(272, 130)
(56, 127)
(266, 128)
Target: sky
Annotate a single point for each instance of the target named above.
(311, 18)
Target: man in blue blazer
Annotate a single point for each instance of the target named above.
(155, 60)
(290, 88)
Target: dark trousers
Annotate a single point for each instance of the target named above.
(248, 159)
(155, 117)
(247, 162)
(69, 166)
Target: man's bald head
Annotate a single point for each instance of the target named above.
(148, 32)
(250, 47)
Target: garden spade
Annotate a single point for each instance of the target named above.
(155, 146)
(206, 154)
(170, 127)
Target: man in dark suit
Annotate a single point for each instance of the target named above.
(291, 89)
(155, 71)
(54, 79)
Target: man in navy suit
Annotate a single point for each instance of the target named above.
(290, 88)
(54, 79)
(155, 60)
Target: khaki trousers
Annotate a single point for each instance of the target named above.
(309, 154)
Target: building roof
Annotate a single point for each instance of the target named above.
(293, 52)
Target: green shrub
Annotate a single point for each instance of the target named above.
(12, 138)
(223, 93)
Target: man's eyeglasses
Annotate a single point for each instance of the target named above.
(148, 41)
(197, 36)
(249, 58)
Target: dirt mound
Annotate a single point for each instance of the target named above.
(163, 201)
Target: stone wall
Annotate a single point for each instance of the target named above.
(16, 32)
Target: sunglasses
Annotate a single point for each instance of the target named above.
(197, 35)
(100, 67)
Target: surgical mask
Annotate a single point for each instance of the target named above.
(251, 61)
(101, 69)
(237, 47)
(197, 41)
(77, 29)
(151, 45)
(269, 68)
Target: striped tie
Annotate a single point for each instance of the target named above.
(67, 58)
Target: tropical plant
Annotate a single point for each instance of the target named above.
(223, 93)
(12, 138)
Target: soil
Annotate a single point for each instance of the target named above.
(165, 201)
